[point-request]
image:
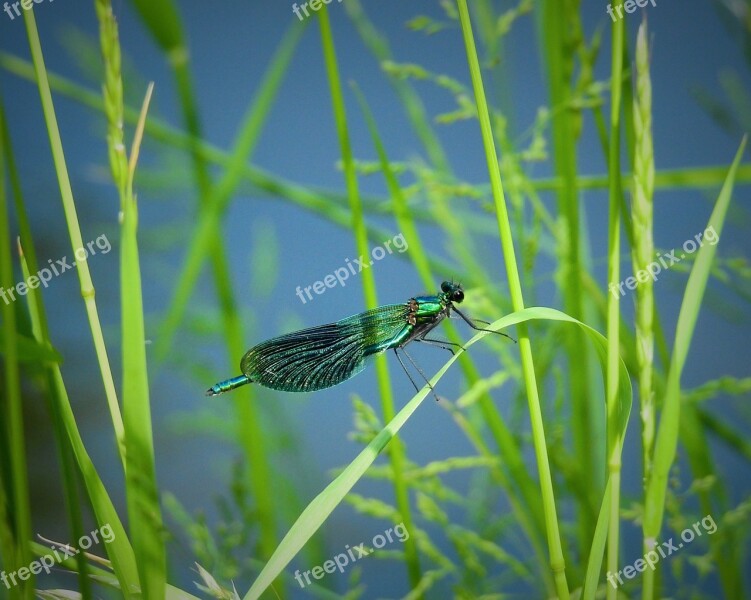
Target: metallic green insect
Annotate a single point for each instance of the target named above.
(324, 356)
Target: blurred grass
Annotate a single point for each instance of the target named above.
(396, 452)
(556, 406)
(16, 527)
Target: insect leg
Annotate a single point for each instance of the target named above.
(440, 343)
(419, 370)
(401, 362)
(473, 326)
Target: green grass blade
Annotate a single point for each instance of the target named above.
(144, 513)
(667, 431)
(67, 461)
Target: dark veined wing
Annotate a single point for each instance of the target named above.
(324, 356)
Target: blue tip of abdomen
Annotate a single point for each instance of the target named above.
(227, 385)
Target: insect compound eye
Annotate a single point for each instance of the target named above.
(457, 296)
(446, 287)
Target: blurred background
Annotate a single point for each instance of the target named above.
(277, 239)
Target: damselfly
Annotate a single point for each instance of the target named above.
(325, 356)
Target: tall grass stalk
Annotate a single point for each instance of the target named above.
(613, 317)
(74, 229)
(642, 251)
(561, 35)
(396, 451)
(557, 563)
(144, 512)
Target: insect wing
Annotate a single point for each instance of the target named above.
(324, 356)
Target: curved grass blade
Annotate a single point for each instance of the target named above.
(324, 504)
